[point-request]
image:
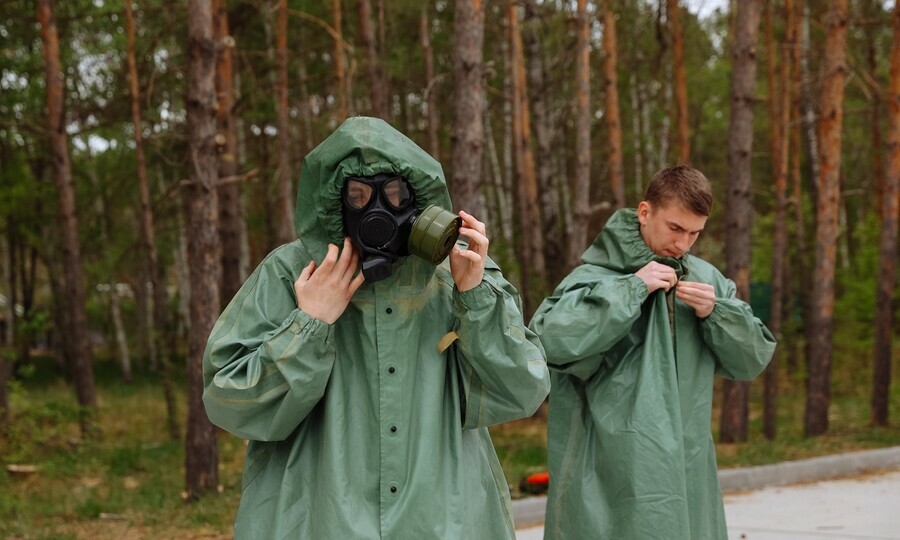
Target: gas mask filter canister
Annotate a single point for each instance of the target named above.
(382, 221)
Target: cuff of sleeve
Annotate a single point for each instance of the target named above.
(302, 323)
(637, 287)
(478, 297)
(720, 311)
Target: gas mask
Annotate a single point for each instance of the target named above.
(382, 221)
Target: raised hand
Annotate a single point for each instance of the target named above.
(657, 276)
(467, 265)
(324, 292)
(700, 296)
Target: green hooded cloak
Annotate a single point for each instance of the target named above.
(364, 428)
(630, 448)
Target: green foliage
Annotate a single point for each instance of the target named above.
(854, 336)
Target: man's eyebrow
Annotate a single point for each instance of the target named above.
(677, 226)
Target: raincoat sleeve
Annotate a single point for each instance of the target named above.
(742, 344)
(501, 362)
(586, 316)
(267, 363)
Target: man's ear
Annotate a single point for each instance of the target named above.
(643, 212)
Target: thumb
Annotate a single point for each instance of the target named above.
(307, 272)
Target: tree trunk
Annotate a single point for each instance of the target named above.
(890, 202)
(200, 216)
(877, 148)
(499, 205)
(638, 139)
(531, 246)
(157, 297)
(81, 355)
(831, 115)
(431, 111)
(811, 138)
(230, 212)
(8, 349)
(779, 107)
(100, 207)
(739, 215)
(467, 138)
(799, 285)
(340, 72)
(581, 185)
(285, 193)
(613, 118)
(378, 90)
(673, 12)
(547, 177)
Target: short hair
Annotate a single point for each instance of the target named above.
(683, 185)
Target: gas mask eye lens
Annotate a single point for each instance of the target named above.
(396, 193)
(358, 194)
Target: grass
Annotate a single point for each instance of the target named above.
(128, 484)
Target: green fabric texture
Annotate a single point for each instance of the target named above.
(630, 448)
(363, 429)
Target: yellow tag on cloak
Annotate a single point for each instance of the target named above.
(446, 341)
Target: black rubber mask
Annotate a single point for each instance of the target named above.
(382, 221)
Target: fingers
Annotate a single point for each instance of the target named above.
(330, 259)
(356, 283)
(473, 256)
(307, 272)
(347, 261)
(658, 276)
(470, 221)
(476, 232)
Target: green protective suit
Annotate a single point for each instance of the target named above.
(630, 448)
(363, 428)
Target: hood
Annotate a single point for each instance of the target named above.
(621, 248)
(361, 146)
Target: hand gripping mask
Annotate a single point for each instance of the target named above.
(382, 221)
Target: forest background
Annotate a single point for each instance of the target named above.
(149, 154)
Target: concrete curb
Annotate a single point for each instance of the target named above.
(530, 511)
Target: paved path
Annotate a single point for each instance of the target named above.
(865, 506)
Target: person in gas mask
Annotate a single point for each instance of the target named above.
(364, 367)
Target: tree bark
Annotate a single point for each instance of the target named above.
(230, 213)
(890, 203)
(147, 230)
(581, 185)
(157, 297)
(547, 177)
(80, 350)
(115, 311)
(638, 145)
(613, 118)
(285, 193)
(8, 350)
(499, 205)
(799, 287)
(467, 137)
(739, 220)
(378, 90)
(779, 108)
(200, 215)
(340, 72)
(673, 12)
(431, 111)
(831, 115)
(531, 245)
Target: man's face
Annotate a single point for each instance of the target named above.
(671, 230)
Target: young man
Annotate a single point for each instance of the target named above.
(634, 337)
(365, 394)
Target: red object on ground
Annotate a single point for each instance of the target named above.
(538, 478)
